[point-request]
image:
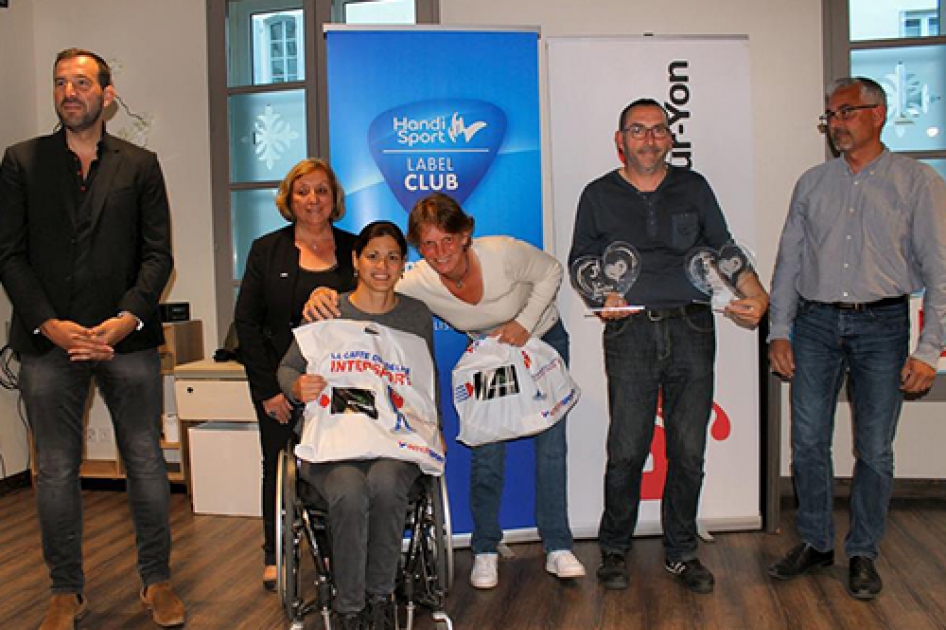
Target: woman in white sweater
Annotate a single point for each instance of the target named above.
(506, 288)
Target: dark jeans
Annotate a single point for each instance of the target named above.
(273, 436)
(55, 391)
(367, 504)
(487, 477)
(645, 360)
(871, 346)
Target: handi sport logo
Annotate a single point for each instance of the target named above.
(443, 145)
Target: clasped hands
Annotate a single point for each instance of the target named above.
(88, 344)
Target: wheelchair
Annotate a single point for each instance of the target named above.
(425, 570)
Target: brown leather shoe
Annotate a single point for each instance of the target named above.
(65, 609)
(270, 577)
(166, 608)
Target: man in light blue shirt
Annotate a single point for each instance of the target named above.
(863, 232)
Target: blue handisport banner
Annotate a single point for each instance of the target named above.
(420, 110)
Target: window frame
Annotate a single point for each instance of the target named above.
(315, 14)
(838, 48)
(282, 20)
(923, 17)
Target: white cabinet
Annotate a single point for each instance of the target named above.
(225, 468)
(219, 437)
(213, 399)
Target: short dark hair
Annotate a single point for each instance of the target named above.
(380, 228)
(105, 73)
(641, 102)
(441, 211)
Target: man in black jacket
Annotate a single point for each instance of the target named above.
(85, 252)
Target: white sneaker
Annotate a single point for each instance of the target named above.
(564, 564)
(485, 573)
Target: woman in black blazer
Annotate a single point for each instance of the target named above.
(282, 269)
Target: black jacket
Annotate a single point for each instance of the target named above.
(130, 257)
(263, 315)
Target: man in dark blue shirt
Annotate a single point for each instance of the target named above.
(665, 345)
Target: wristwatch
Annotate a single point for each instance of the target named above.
(140, 323)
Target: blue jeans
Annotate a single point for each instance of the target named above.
(871, 346)
(55, 391)
(367, 501)
(644, 358)
(488, 475)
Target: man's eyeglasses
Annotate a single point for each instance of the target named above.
(843, 113)
(639, 132)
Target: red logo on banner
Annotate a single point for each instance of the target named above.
(652, 482)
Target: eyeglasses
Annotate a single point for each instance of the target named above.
(639, 132)
(843, 113)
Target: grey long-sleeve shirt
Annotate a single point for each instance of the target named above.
(863, 237)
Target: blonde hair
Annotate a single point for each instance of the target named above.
(303, 168)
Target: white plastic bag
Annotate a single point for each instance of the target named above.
(503, 392)
(380, 396)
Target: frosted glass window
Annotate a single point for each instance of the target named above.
(895, 19)
(374, 11)
(252, 214)
(914, 78)
(267, 135)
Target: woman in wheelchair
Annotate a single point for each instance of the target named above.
(366, 499)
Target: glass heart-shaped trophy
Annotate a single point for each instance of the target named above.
(717, 273)
(615, 271)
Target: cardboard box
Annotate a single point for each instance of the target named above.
(225, 468)
(183, 343)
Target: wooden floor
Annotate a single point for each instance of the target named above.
(216, 566)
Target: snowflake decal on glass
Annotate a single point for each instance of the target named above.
(910, 98)
(272, 136)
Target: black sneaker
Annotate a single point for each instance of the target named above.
(863, 580)
(693, 574)
(613, 571)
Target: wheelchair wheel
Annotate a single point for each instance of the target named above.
(288, 540)
(443, 526)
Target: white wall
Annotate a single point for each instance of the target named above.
(17, 121)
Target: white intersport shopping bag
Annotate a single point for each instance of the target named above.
(380, 396)
(502, 392)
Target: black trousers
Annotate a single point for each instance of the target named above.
(273, 437)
